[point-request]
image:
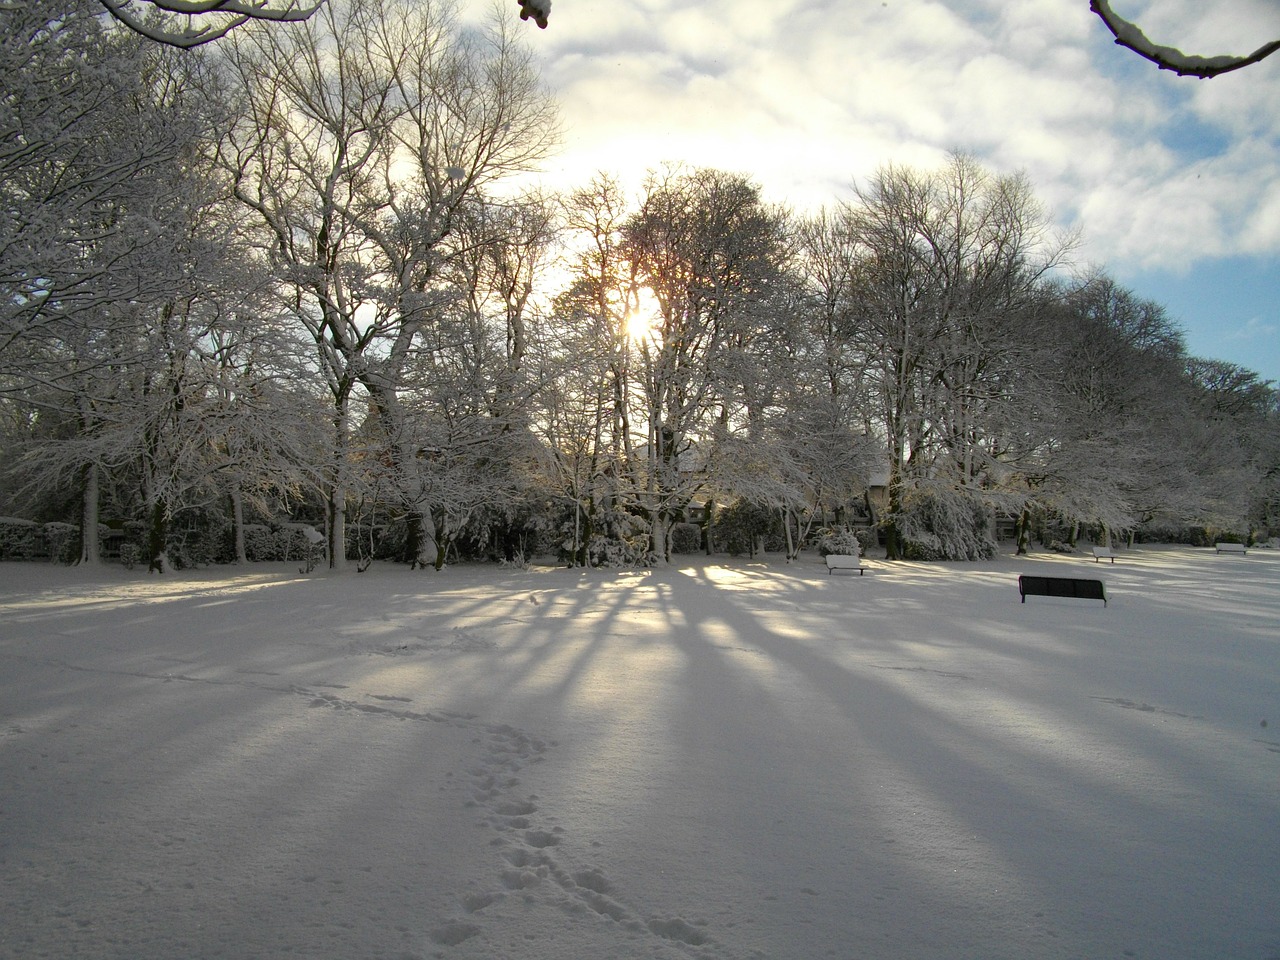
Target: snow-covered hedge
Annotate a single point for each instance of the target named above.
(744, 526)
(63, 541)
(21, 540)
(287, 541)
(27, 540)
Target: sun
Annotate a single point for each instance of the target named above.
(643, 317)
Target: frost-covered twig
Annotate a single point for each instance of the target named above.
(1170, 58)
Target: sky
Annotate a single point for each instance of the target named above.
(1173, 183)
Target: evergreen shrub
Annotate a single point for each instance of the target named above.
(686, 538)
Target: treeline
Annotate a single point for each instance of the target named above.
(291, 279)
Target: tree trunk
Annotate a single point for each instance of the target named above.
(1024, 531)
(90, 551)
(337, 510)
(156, 559)
(660, 536)
(237, 526)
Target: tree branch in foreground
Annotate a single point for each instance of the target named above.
(207, 20)
(1169, 58)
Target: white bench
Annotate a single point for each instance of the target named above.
(843, 561)
(1103, 553)
(1229, 548)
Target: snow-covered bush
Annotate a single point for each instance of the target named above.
(940, 523)
(838, 540)
(615, 552)
(686, 538)
(63, 542)
(742, 527)
(20, 539)
(287, 541)
(260, 543)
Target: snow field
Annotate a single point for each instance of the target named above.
(723, 759)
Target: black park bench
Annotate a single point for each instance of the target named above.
(1061, 587)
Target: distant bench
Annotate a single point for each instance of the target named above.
(1061, 587)
(843, 561)
(1230, 548)
(1103, 553)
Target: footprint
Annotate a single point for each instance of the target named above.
(540, 839)
(679, 930)
(604, 906)
(520, 879)
(515, 808)
(593, 880)
(453, 933)
(475, 902)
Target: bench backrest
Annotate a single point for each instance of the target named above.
(1061, 587)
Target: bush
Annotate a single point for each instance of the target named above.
(260, 542)
(20, 539)
(63, 541)
(740, 527)
(615, 552)
(945, 524)
(686, 538)
(839, 541)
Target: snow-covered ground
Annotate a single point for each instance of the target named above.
(723, 759)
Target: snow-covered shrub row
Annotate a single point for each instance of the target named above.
(937, 523)
(286, 541)
(21, 539)
(28, 540)
(1194, 535)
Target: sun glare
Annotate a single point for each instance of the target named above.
(643, 316)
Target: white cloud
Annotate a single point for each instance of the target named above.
(1255, 330)
(809, 95)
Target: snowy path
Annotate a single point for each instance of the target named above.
(719, 760)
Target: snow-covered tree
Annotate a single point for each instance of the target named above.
(711, 252)
(370, 133)
(946, 309)
(112, 241)
(584, 368)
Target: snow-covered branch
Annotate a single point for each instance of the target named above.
(1170, 58)
(190, 23)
